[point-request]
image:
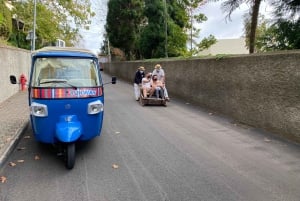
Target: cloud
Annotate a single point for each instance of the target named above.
(93, 38)
(223, 28)
(218, 25)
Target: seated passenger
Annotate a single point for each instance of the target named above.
(157, 86)
(161, 76)
(146, 84)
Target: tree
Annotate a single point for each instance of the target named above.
(176, 20)
(152, 41)
(150, 28)
(284, 32)
(230, 5)
(194, 16)
(254, 20)
(286, 8)
(5, 21)
(123, 22)
(164, 33)
(206, 43)
(282, 35)
(139, 28)
(55, 19)
(260, 30)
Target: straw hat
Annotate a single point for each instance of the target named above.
(141, 68)
(157, 66)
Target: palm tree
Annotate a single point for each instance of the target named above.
(230, 5)
(254, 17)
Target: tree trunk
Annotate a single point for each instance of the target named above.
(254, 18)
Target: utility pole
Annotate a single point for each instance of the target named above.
(108, 49)
(34, 26)
(166, 28)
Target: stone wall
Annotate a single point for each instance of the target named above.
(13, 61)
(261, 90)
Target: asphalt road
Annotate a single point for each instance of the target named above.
(173, 153)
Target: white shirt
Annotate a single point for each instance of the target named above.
(160, 74)
(146, 82)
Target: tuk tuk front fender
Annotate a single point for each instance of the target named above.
(68, 129)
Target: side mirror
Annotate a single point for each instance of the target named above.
(113, 79)
(13, 79)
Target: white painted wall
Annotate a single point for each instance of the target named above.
(227, 46)
(13, 61)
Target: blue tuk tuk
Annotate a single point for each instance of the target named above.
(66, 97)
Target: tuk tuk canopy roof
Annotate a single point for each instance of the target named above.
(63, 51)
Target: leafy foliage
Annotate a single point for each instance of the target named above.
(230, 6)
(164, 29)
(153, 36)
(195, 17)
(207, 42)
(55, 19)
(5, 21)
(286, 8)
(283, 35)
(260, 29)
(158, 28)
(123, 23)
(177, 40)
(152, 41)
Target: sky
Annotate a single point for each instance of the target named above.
(216, 24)
(220, 26)
(93, 38)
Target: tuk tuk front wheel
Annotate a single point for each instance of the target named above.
(70, 155)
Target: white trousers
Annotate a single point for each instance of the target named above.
(137, 91)
(166, 92)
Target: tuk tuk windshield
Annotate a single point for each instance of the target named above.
(61, 72)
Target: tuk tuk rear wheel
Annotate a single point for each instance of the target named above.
(70, 155)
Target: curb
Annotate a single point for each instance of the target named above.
(13, 143)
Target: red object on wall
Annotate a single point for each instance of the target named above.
(23, 81)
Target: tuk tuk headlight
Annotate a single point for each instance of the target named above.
(95, 107)
(39, 110)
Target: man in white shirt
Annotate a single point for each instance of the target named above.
(139, 74)
(161, 76)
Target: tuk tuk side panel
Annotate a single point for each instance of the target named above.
(44, 128)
